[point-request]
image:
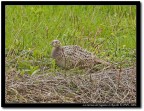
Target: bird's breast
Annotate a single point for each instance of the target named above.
(56, 53)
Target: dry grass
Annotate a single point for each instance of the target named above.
(106, 86)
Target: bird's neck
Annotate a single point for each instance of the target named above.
(58, 47)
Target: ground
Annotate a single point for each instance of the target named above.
(105, 86)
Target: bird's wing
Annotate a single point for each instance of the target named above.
(76, 51)
(68, 50)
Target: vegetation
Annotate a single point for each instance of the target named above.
(107, 31)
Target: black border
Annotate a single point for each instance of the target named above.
(138, 55)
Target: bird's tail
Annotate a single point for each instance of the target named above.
(99, 61)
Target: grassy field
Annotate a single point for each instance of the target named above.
(107, 31)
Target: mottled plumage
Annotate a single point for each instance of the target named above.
(73, 56)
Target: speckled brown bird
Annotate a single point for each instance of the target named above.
(73, 56)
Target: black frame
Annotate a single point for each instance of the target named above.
(138, 55)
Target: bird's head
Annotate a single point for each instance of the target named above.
(56, 43)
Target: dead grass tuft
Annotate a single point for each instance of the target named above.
(107, 86)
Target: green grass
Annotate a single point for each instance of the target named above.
(107, 31)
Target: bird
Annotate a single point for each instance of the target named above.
(72, 56)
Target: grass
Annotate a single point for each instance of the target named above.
(107, 31)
